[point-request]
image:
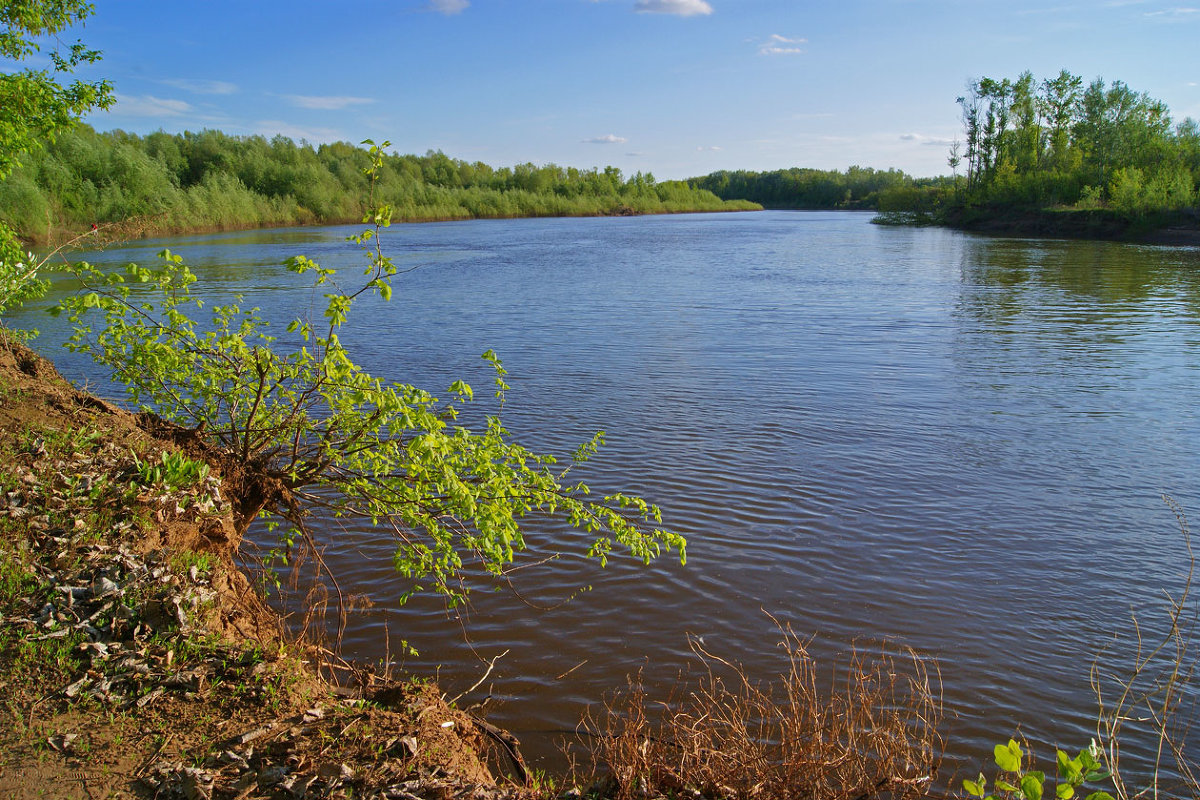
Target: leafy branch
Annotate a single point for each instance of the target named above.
(305, 428)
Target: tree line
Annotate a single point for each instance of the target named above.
(1057, 143)
(209, 179)
(801, 188)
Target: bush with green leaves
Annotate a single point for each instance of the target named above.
(309, 430)
(36, 105)
(1017, 781)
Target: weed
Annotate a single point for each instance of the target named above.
(173, 470)
(15, 578)
(184, 560)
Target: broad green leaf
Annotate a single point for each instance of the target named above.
(1032, 785)
(1008, 757)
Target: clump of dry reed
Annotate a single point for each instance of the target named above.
(873, 733)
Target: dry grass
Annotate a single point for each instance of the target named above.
(1153, 698)
(873, 733)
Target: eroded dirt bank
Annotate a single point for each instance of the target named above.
(136, 660)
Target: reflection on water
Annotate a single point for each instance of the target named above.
(952, 442)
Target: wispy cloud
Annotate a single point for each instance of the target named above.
(681, 8)
(712, 148)
(781, 46)
(149, 106)
(271, 127)
(200, 86)
(921, 138)
(326, 103)
(606, 139)
(1178, 14)
(449, 7)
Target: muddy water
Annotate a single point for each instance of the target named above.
(951, 442)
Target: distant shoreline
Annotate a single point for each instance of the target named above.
(1178, 229)
(136, 230)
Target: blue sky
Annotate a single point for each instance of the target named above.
(673, 87)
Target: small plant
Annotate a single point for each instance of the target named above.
(184, 560)
(173, 470)
(15, 578)
(1017, 781)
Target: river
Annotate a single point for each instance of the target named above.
(947, 441)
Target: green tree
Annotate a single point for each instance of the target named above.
(1058, 102)
(35, 105)
(308, 430)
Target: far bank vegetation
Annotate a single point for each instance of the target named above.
(175, 183)
(1057, 147)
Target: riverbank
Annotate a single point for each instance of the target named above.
(138, 660)
(149, 228)
(1180, 228)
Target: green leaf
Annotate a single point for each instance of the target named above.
(975, 788)
(1008, 757)
(1064, 791)
(1032, 785)
(1099, 796)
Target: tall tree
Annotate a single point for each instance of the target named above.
(1059, 100)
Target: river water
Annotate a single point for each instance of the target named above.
(946, 441)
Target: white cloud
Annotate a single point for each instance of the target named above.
(1175, 14)
(318, 103)
(607, 139)
(150, 106)
(681, 8)
(200, 86)
(781, 46)
(711, 148)
(921, 138)
(271, 127)
(449, 7)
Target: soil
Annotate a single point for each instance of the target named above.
(137, 660)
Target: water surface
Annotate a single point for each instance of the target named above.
(947, 441)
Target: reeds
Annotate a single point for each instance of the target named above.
(872, 733)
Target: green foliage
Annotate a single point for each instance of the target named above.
(857, 187)
(313, 430)
(18, 274)
(1055, 143)
(35, 106)
(1017, 781)
(180, 182)
(172, 470)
